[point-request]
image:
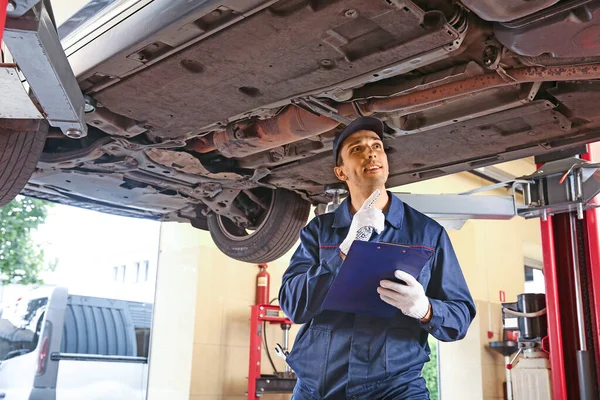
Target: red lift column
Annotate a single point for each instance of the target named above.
(592, 251)
(3, 6)
(571, 250)
(257, 383)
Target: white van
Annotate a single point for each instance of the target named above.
(68, 347)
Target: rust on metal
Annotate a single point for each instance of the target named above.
(479, 83)
(185, 162)
(202, 144)
(292, 124)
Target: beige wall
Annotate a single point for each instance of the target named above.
(225, 289)
(171, 346)
(491, 255)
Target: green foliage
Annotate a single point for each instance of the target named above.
(21, 260)
(430, 370)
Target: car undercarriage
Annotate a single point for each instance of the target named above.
(223, 113)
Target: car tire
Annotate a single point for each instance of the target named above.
(21, 145)
(279, 231)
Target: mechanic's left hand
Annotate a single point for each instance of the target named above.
(409, 298)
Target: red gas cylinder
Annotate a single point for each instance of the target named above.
(263, 283)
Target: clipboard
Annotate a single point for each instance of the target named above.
(354, 289)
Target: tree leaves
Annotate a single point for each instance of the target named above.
(21, 259)
(430, 370)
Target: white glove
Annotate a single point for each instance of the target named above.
(364, 222)
(409, 298)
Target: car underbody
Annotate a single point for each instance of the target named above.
(210, 111)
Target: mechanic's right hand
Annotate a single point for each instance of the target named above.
(365, 221)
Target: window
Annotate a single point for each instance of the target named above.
(141, 271)
(146, 268)
(137, 272)
(142, 338)
(20, 326)
(528, 274)
(534, 280)
(119, 273)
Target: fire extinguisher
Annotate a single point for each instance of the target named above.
(263, 283)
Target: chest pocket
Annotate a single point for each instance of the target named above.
(327, 251)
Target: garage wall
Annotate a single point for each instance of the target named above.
(222, 324)
(491, 254)
(172, 340)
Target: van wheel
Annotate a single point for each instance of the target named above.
(273, 232)
(21, 145)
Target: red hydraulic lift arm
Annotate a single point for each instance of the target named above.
(3, 6)
(261, 313)
(559, 385)
(564, 289)
(592, 244)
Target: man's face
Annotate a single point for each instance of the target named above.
(364, 162)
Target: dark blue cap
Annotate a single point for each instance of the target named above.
(360, 124)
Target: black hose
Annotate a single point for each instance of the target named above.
(265, 339)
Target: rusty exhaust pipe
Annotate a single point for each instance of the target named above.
(476, 84)
(289, 126)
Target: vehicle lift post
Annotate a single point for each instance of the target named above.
(3, 6)
(257, 383)
(571, 249)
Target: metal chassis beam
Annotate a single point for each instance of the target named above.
(15, 102)
(21, 7)
(453, 210)
(562, 186)
(33, 42)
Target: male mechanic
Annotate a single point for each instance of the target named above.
(340, 355)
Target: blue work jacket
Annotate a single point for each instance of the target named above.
(338, 355)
